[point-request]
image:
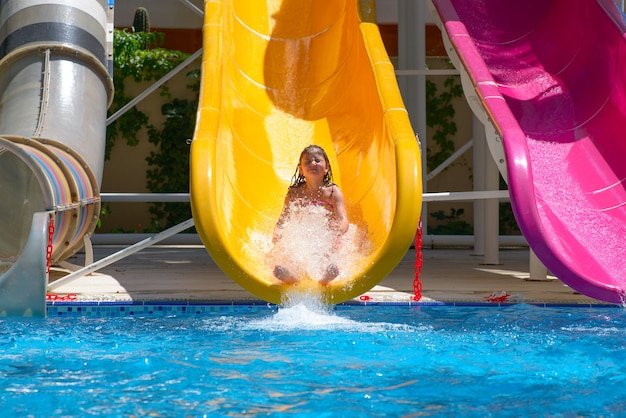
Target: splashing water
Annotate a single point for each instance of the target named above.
(308, 246)
(303, 309)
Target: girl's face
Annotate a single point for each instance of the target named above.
(313, 164)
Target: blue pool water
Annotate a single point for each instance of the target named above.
(306, 361)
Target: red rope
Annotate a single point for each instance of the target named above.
(417, 284)
(49, 246)
(51, 297)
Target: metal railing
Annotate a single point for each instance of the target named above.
(430, 241)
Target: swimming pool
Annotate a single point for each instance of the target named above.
(307, 360)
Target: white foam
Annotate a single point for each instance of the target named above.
(304, 310)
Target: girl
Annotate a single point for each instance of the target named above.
(313, 218)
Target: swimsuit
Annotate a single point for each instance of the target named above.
(328, 206)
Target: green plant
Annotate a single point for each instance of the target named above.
(169, 164)
(451, 224)
(105, 209)
(138, 58)
(440, 117)
(141, 21)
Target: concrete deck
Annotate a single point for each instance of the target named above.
(187, 273)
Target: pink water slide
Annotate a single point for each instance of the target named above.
(551, 77)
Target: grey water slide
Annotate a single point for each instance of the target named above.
(55, 88)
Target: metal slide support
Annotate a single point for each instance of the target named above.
(450, 160)
(537, 270)
(492, 214)
(145, 197)
(24, 284)
(412, 56)
(153, 87)
(461, 196)
(122, 254)
(478, 171)
(451, 71)
(88, 249)
(192, 7)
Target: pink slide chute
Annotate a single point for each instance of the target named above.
(551, 76)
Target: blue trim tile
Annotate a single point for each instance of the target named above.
(110, 309)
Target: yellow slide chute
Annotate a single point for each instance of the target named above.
(278, 75)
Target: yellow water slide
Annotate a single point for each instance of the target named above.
(278, 75)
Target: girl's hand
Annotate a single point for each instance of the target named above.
(277, 235)
(341, 216)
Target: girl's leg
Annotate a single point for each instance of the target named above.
(283, 274)
(330, 274)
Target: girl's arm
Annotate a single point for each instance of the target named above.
(282, 218)
(340, 211)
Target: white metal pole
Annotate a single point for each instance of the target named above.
(153, 87)
(492, 213)
(480, 152)
(121, 254)
(144, 197)
(412, 56)
(464, 196)
(537, 270)
(193, 8)
(448, 161)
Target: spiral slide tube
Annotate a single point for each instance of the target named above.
(276, 77)
(550, 75)
(55, 87)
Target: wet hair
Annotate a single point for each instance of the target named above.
(298, 177)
